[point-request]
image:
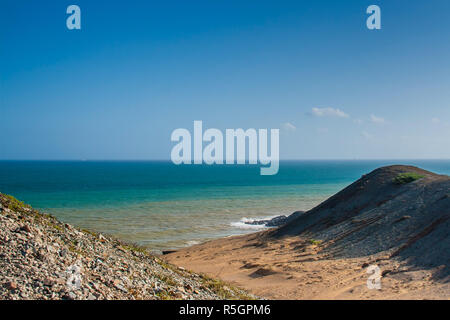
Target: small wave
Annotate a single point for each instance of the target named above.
(192, 243)
(244, 223)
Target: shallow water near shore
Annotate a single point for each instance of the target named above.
(164, 206)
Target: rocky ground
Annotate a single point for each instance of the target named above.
(43, 258)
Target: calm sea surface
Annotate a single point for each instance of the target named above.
(164, 206)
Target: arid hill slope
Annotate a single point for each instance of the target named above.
(396, 217)
(375, 214)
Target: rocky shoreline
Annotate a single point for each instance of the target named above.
(276, 221)
(43, 258)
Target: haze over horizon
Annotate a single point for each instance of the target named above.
(117, 88)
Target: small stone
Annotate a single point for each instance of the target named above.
(42, 255)
(179, 295)
(49, 282)
(95, 286)
(63, 253)
(181, 289)
(25, 228)
(70, 296)
(11, 285)
(91, 297)
(122, 288)
(119, 285)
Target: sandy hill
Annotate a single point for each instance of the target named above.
(396, 217)
(376, 214)
(43, 258)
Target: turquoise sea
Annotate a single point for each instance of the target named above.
(164, 206)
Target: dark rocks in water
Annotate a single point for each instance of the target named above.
(256, 222)
(268, 222)
(275, 222)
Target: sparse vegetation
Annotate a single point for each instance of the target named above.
(315, 242)
(224, 290)
(55, 225)
(14, 204)
(406, 177)
(164, 295)
(167, 280)
(92, 233)
(135, 248)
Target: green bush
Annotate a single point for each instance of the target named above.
(406, 177)
(14, 204)
(315, 242)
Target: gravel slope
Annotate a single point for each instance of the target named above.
(43, 258)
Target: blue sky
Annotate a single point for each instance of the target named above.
(137, 70)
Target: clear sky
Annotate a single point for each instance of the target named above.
(137, 70)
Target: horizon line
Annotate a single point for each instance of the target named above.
(168, 160)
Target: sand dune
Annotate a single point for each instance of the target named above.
(396, 218)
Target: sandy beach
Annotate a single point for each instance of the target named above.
(275, 271)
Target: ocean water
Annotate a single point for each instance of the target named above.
(164, 206)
